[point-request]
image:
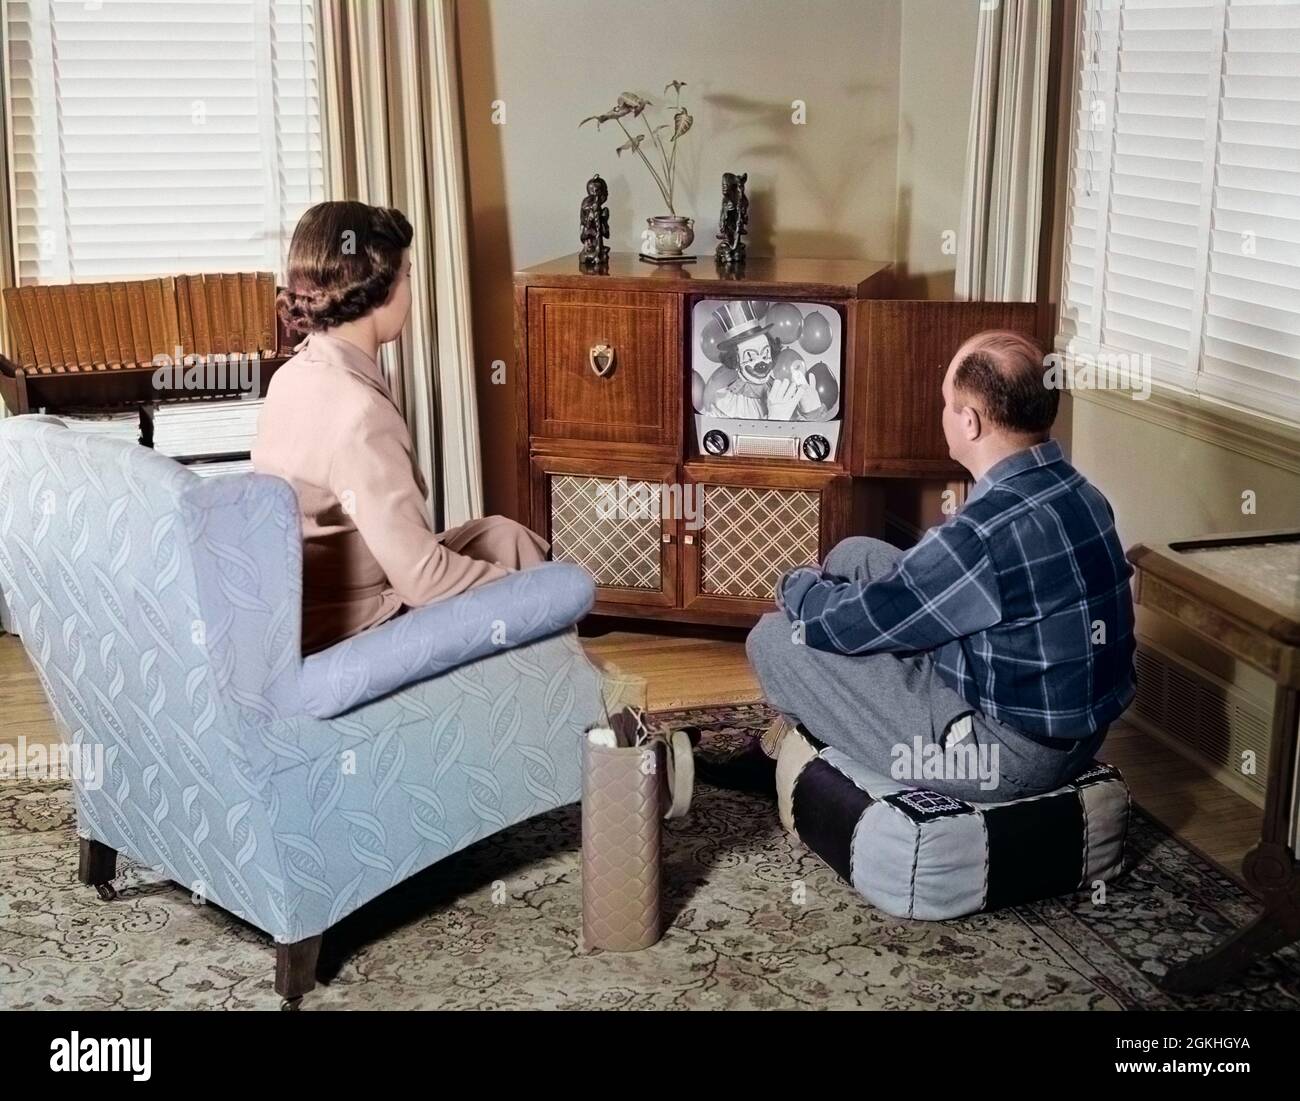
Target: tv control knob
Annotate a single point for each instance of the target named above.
(716, 442)
(817, 448)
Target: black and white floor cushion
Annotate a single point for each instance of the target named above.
(918, 854)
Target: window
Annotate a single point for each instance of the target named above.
(159, 136)
(1183, 234)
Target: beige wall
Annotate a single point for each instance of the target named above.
(936, 71)
(1166, 483)
(824, 189)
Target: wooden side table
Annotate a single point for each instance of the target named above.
(1242, 593)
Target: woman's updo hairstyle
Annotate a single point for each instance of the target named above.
(343, 262)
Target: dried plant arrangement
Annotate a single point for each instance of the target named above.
(663, 147)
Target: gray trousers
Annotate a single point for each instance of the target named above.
(896, 714)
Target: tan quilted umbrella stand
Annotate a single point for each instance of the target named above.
(621, 835)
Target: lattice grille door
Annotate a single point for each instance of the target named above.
(613, 529)
(752, 536)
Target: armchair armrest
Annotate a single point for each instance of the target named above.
(426, 642)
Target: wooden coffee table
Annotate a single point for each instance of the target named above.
(1242, 593)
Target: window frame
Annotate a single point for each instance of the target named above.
(1187, 381)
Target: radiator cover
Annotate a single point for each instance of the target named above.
(1194, 709)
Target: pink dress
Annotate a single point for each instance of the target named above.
(330, 429)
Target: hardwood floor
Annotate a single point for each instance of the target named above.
(685, 670)
(23, 710)
(681, 670)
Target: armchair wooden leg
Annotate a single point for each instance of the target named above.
(96, 867)
(295, 969)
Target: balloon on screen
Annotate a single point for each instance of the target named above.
(709, 337)
(786, 322)
(816, 335)
(824, 383)
(786, 360)
(718, 382)
(697, 390)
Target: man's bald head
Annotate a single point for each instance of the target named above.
(1001, 374)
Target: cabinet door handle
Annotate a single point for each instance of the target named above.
(601, 358)
(667, 537)
(689, 540)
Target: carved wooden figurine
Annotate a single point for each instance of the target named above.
(594, 222)
(733, 221)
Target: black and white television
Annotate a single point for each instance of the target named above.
(766, 378)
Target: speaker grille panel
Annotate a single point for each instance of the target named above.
(618, 546)
(768, 447)
(752, 536)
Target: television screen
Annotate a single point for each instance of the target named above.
(760, 360)
(765, 374)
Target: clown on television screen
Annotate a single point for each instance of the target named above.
(766, 378)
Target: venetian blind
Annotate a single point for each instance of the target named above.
(1183, 234)
(160, 136)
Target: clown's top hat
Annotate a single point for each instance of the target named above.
(738, 321)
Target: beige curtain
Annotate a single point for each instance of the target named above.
(8, 238)
(8, 268)
(997, 243)
(393, 139)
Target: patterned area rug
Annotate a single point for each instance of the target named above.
(757, 922)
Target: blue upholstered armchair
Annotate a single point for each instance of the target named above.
(161, 611)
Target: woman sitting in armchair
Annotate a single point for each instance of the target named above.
(330, 428)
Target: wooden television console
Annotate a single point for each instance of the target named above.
(581, 432)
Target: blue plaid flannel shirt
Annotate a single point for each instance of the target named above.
(1023, 599)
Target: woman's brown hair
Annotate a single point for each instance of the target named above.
(343, 262)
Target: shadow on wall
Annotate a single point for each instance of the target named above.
(934, 286)
(833, 186)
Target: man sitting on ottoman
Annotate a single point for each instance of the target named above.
(986, 662)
